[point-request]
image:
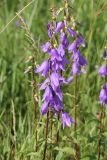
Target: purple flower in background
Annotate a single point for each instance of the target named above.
(43, 69)
(103, 95)
(64, 40)
(66, 120)
(60, 25)
(103, 71)
(18, 23)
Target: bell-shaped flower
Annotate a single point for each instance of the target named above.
(76, 69)
(44, 108)
(103, 71)
(58, 92)
(72, 32)
(54, 78)
(49, 28)
(56, 104)
(103, 95)
(79, 58)
(44, 84)
(48, 94)
(64, 40)
(43, 69)
(60, 25)
(46, 47)
(80, 41)
(61, 50)
(54, 54)
(66, 119)
(72, 47)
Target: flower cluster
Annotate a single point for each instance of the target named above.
(103, 73)
(58, 49)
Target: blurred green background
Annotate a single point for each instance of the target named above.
(15, 85)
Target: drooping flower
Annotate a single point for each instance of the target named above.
(76, 44)
(49, 28)
(103, 71)
(61, 50)
(72, 32)
(72, 47)
(64, 40)
(48, 94)
(54, 78)
(46, 47)
(44, 108)
(60, 25)
(54, 54)
(76, 69)
(66, 120)
(79, 58)
(44, 84)
(80, 41)
(56, 104)
(103, 95)
(43, 69)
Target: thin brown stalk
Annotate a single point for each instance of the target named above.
(14, 132)
(33, 78)
(75, 117)
(51, 134)
(35, 104)
(46, 136)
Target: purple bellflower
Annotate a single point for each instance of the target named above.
(51, 69)
(103, 71)
(103, 95)
(66, 120)
(43, 69)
